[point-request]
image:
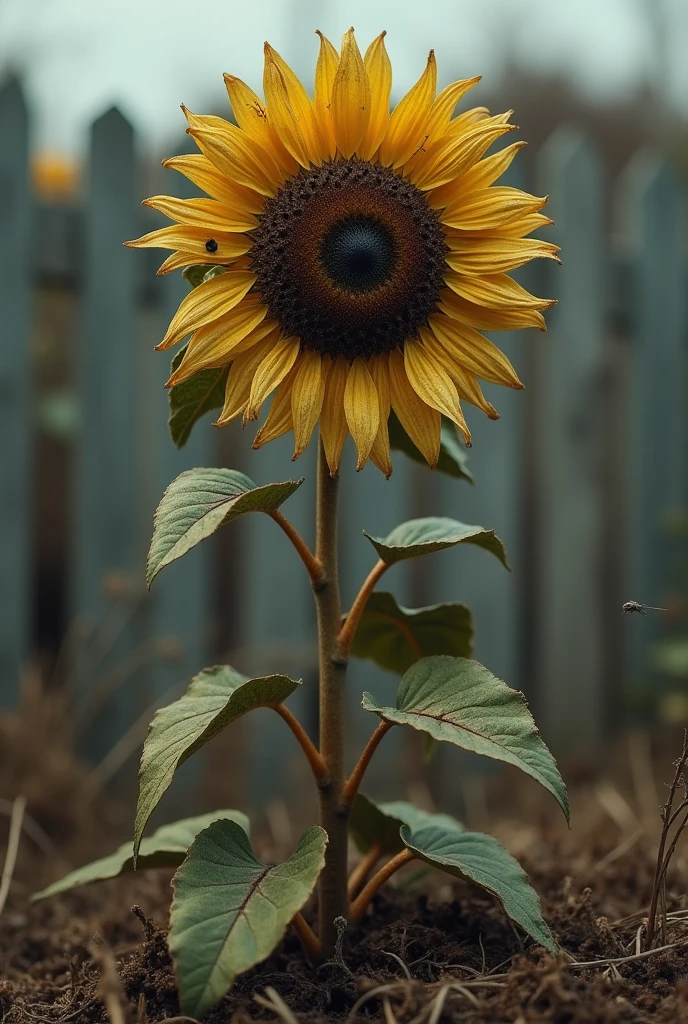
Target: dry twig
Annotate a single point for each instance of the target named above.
(16, 819)
(277, 1005)
(110, 987)
(670, 817)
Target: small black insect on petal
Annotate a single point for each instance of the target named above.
(211, 245)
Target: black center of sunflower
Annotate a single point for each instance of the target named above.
(358, 253)
(350, 258)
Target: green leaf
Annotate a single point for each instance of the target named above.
(216, 697)
(201, 500)
(395, 637)
(481, 859)
(372, 823)
(229, 911)
(423, 536)
(459, 701)
(193, 398)
(199, 273)
(166, 848)
(453, 459)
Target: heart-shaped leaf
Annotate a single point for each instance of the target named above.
(371, 823)
(201, 500)
(166, 848)
(459, 701)
(229, 911)
(216, 697)
(423, 536)
(481, 859)
(193, 398)
(395, 637)
(453, 459)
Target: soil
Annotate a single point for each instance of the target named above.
(428, 952)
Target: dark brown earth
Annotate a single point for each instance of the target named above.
(429, 954)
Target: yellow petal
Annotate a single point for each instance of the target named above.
(290, 110)
(440, 114)
(432, 384)
(484, 173)
(306, 400)
(190, 239)
(279, 419)
(379, 69)
(203, 213)
(485, 319)
(187, 259)
(361, 409)
(420, 421)
(467, 386)
(325, 70)
(252, 117)
(238, 387)
(497, 291)
(407, 128)
(474, 257)
(270, 374)
(239, 157)
(380, 453)
(219, 342)
(198, 169)
(350, 97)
(333, 428)
(206, 303)
(471, 351)
(452, 159)
(522, 227)
(487, 208)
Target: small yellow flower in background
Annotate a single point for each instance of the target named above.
(365, 252)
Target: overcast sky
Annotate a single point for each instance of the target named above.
(78, 57)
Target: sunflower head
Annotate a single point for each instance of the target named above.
(360, 252)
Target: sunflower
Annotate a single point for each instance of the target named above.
(360, 253)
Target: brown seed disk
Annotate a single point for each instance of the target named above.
(350, 258)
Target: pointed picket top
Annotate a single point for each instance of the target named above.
(651, 211)
(572, 443)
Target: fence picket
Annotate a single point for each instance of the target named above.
(653, 208)
(570, 616)
(107, 545)
(15, 392)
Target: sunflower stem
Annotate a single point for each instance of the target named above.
(334, 814)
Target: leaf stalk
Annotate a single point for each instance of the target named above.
(359, 905)
(317, 764)
(348, 630)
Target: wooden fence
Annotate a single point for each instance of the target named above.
(577, 476)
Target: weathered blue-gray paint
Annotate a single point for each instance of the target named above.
(654, 221)
(15, 392)
(570, 614)
(107, 541)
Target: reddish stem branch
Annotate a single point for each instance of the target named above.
(318, 766)
(354, 780)
(348, 630)
(358, 907)
(313, 565)
(307, 937)
(363, 869)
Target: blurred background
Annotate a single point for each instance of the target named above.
(585, 477)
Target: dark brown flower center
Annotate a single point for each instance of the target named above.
(350, 258)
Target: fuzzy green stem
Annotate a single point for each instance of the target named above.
(334, 815)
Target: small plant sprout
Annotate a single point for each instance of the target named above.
(345, 263)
